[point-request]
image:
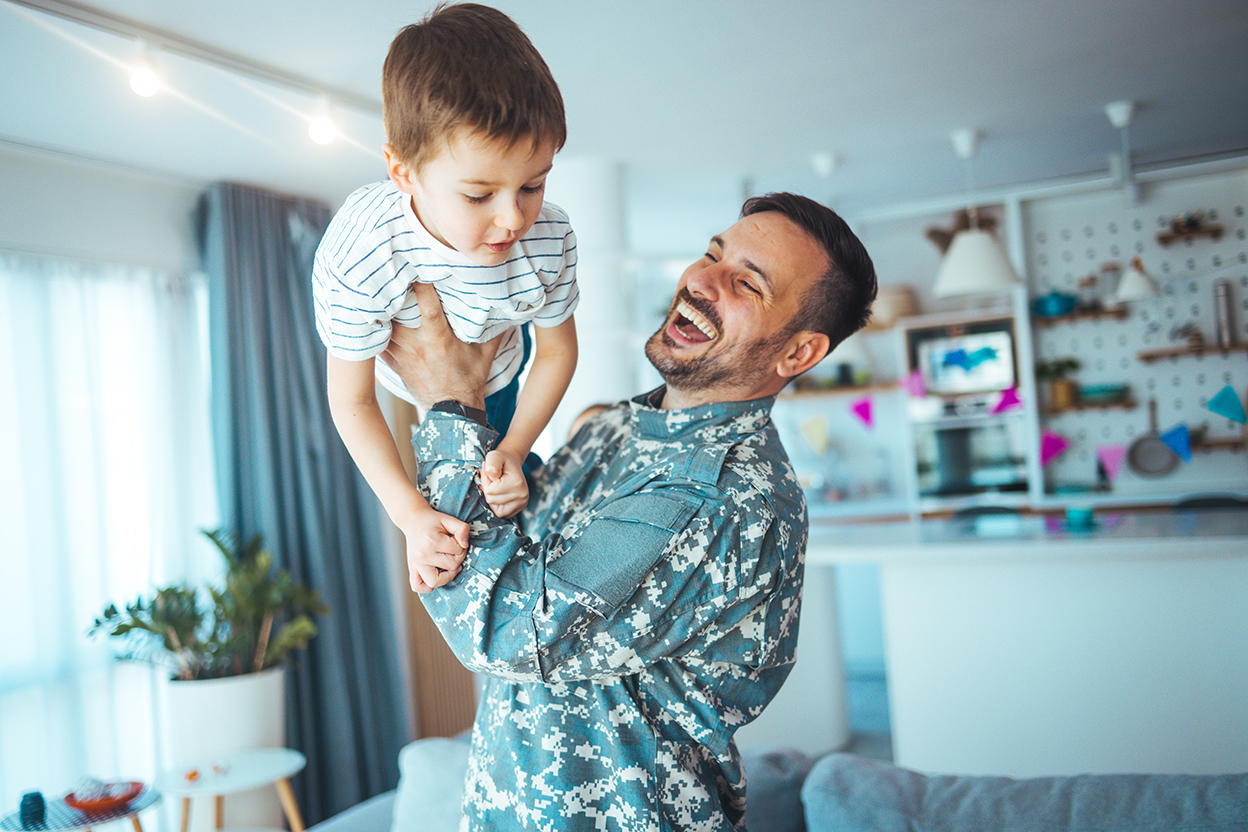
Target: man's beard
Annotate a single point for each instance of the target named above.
(743, 365)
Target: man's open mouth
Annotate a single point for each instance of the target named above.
(692, 325)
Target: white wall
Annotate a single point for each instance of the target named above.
(73, 209)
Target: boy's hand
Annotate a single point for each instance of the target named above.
(436, 545)
(502, 483)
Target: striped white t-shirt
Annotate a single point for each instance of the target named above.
(375, 249)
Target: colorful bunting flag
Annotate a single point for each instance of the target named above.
(1179, 441)
(1111, 457)
(1052, 445)
(862, 409)
(1009, 399)
(1226, 403)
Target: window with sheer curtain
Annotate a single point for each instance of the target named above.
(105, 482)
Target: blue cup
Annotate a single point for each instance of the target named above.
(1079, 517)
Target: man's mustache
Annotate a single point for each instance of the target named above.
(703, 307)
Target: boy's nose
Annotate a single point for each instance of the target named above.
(510, 217)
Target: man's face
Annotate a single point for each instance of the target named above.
(479, 196)
(730, 319)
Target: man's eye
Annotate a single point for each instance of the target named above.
(749, 287)
(710, 257)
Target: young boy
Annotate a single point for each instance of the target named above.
(473, 119)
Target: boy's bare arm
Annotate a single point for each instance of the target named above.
(554, 361)
(433, 539)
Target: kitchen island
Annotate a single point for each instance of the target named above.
(1017, 646)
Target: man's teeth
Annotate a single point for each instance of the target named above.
(696, 319)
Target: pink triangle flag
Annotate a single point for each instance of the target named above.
(1111, 457)
(913, 384)
(1009, 399)
(1052, 445)
(862, 409)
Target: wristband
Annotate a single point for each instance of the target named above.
(451, 406)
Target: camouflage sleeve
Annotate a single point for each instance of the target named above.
(652, 575)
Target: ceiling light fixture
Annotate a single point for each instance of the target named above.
(144, 80)
(322, 128)
(974, 263)
(1120, 115)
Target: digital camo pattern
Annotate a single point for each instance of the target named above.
(652, 613)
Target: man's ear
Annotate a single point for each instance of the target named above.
(401, 174)
(804, 350)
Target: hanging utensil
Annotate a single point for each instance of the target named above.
(1148, 455)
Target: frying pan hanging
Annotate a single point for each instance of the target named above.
(1148, 456)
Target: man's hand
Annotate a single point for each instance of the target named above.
(435, 365)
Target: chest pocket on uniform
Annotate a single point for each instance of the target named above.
(623, 543)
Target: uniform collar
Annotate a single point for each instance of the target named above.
(716, 422)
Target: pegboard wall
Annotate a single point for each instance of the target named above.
(1072, 238)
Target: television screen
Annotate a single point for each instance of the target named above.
(971, 362)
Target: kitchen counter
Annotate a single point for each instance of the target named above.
(1015, 646)
(1113, 536)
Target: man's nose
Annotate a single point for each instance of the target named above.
(706, 282)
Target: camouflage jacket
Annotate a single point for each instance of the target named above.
(650, 611)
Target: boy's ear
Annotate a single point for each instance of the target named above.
(804, 350)
(399, 171)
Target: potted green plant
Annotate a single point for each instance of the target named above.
(250, 624)
(225, 646)
(1062, 389)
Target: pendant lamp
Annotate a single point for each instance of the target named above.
(974, 263)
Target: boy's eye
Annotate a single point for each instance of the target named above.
(476, 199)
(534, 189)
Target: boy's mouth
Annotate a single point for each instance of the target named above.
(692, 325)
(499, 248)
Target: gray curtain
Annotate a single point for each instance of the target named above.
(283, 472)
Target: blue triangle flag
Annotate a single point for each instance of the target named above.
(1179, 441)
(1226, 403)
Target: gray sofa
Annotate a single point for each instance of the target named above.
(790, 792)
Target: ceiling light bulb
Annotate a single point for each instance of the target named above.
(144, 81)
(322, 130)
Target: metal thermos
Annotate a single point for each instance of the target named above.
(1222, 307)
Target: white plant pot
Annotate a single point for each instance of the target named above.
(207, 720)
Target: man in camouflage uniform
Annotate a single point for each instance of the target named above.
(646, 605)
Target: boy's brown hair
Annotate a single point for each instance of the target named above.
(467, 66)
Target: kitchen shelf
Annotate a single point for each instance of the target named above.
(1123, 404)
(1169, 236)
(1225, 443)
(843, 390)
(1149, 356)
(1118, 313)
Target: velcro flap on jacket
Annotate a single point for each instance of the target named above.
(623, 543)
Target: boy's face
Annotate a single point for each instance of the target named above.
(477, 196)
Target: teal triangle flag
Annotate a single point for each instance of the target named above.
(1227, 404)
(1179, 441)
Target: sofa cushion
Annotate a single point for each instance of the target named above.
(853, 794)
(773, 788)
(431, 785)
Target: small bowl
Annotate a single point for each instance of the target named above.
(1054, 304)
(127, 792)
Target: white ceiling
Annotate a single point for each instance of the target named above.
(685, 91)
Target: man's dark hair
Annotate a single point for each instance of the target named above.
(839, 302)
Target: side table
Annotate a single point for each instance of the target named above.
(238, 773)
(59, 816)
